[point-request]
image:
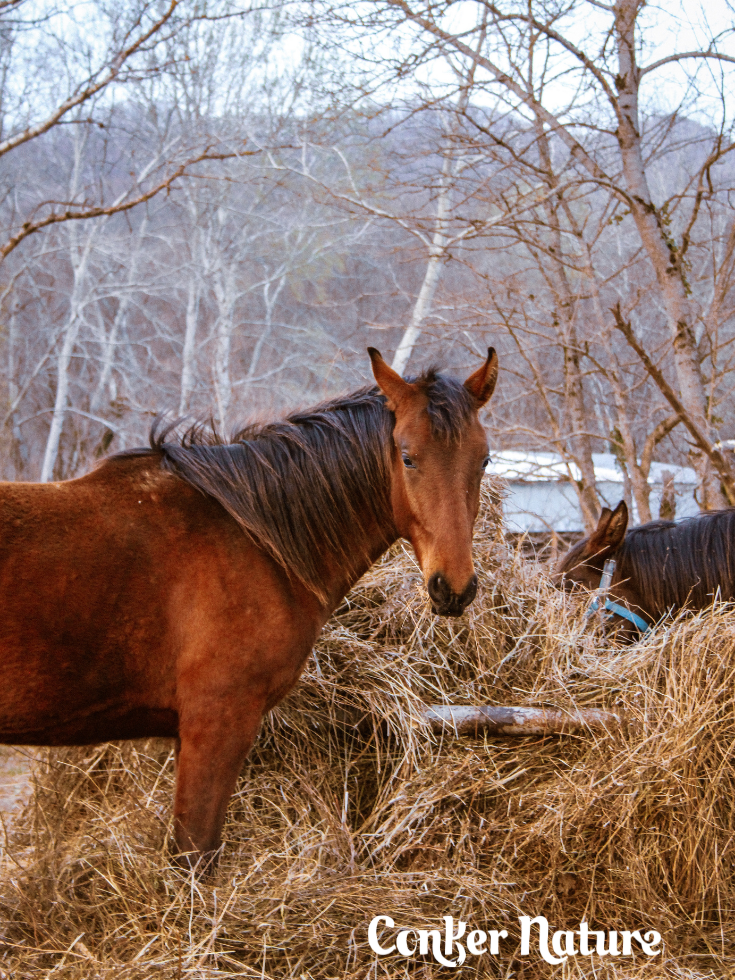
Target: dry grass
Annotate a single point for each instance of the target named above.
(350, 808)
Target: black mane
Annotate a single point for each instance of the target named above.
(684, 563)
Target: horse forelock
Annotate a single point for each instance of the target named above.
(450, 405)
(305, 485)
(675, 564)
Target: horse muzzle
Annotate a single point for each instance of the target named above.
(444, 600)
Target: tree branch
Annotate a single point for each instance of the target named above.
(119, 207)
(576, 149)
(91, 89)
(568, 46)
(717, 154)
(686, 54)
(717, 459)
(654, 438)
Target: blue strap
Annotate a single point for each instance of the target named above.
(615, 607)
(628, 614)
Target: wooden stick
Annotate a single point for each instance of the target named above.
(470, 720)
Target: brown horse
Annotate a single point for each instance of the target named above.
(660, 567)
(177, 590)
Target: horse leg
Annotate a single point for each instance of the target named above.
(210, 755)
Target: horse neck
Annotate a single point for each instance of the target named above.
(369, 540)
(314, 491)
(632, 590)
(654, 590)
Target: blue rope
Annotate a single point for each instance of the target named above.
(628, 614)
(615, 607)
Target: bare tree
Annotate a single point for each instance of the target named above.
(591, 110)
(57, 75)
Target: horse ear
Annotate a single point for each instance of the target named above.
(389, 381)
(610, 531)
(481, 384)
(618, 525)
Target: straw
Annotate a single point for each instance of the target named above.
(350, 807)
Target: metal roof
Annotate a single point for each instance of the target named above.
(520, 466)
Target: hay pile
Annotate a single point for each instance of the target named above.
(350, 808)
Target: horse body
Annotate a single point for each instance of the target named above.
(660, 567)
(178, 591)
(97, 570)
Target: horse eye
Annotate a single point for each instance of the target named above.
(485, 462)
(407, 461)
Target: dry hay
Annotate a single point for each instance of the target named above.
(349, 807)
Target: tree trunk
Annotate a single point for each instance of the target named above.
(432, 275)
(269, 301)
(660, 247)
(639, 486)
(573, 382)
(187, 354)
(109, 343)
(19, 450)
(440, 240)
(63, 360)
(224, 288)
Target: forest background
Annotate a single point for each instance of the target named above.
(212, 209)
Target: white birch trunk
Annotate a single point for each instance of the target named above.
(269, 299)
(79, 260)
(224, 288)
(109, 342)
(63, 360)
(187, 354)
(421, 308)
(437, 253)
(62, 386)
(662, 252)
(19, 452)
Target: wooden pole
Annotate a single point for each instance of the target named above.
(471, 720)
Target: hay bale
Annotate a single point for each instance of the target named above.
(334, 822)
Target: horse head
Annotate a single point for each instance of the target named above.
(438, 459)
(583, 568)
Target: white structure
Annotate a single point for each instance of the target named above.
(541, 496)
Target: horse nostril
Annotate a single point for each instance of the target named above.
(438, 588)
(470, 592)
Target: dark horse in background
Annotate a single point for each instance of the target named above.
(660, 567)
(178, 590)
